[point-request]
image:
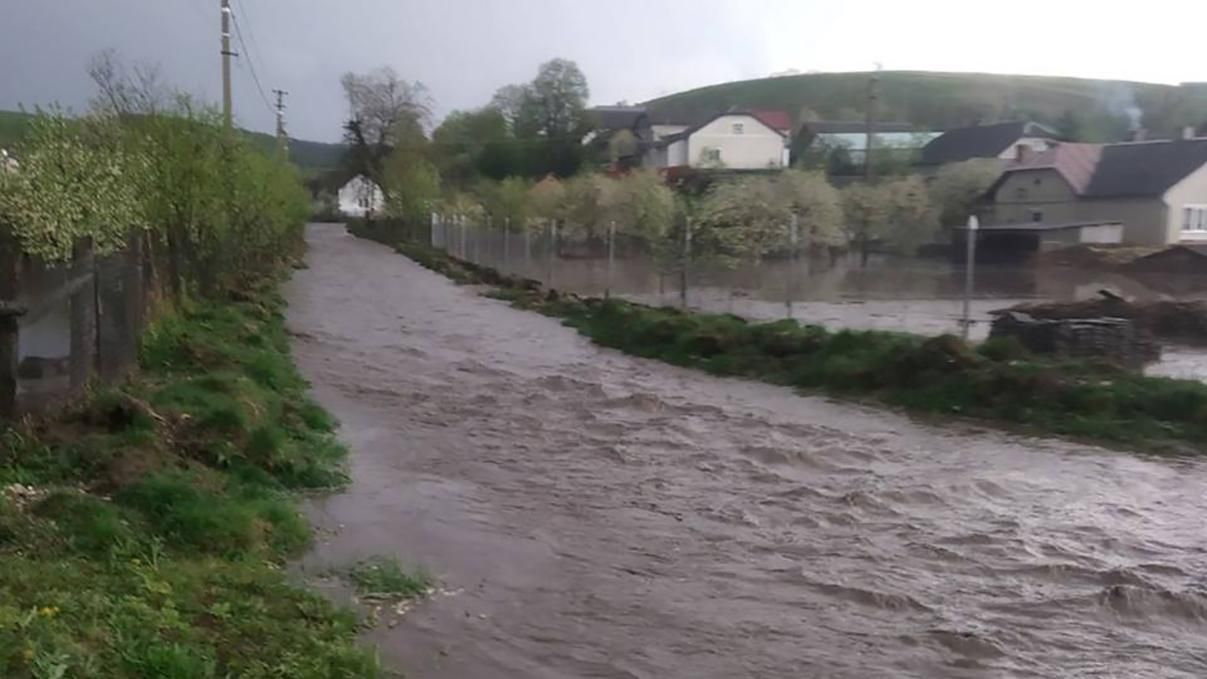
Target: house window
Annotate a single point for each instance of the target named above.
(738, 128)
(1194, 218)
(1037, 216)
(711, 155)
(1038, 181)
(1021, 193)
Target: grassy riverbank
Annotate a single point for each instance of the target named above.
(997, 382)
(143, 532)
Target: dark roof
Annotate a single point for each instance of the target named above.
(695, 128)
(850, 126)
(617, 117)
(1144, 169)
(980, 141)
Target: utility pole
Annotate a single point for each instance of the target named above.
(282, 138)
(226, 62)
(871, 124)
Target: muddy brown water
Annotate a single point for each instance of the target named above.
(598, 515)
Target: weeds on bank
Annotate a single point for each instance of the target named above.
(141, 533)
(997, 381)
(384, 577)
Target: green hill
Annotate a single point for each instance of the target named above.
(1090, 110)
(308, 155)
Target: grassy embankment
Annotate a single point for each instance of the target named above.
(142, 533)
(997, 381)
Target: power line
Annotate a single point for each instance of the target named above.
(251, 65)
(251, 36)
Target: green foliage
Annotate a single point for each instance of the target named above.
(76, 181)
(896, 212)
(958, 187)
(385, 577)
(220, 210)
(750, 217)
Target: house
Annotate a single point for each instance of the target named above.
(735, 140)
(1003, 141)
(7, 162)
(823, 138)
(1156, 189)
(360, 197)
(619, 133)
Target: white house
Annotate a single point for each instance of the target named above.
(735, 140)
(360, 196)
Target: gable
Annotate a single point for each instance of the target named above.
(724, 125)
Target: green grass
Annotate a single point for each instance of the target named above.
(150, 540)
(384, 577)
(996, 382)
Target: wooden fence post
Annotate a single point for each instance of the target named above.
(9, 327)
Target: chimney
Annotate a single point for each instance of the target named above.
(1188, 132)
(1140, 134)
(1022, 152)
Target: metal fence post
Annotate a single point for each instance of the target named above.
(506, 243)
(684, 273)
(551, 252)
(969, 273)
(611, 257)
(793, 259)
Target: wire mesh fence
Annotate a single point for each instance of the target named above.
(793, 280)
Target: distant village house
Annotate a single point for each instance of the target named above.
(360, 197)
(1157, 190)
(1005, 141)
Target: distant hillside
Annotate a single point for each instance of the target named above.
(1093, 110)
(309, 155)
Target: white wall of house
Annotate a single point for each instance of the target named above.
(676, 153)
(360, 196)
(738, 142)
(1188, 194)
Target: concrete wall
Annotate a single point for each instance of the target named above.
(1192, 190)
(757, 147)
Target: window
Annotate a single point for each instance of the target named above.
(1037, 216)
(1194, 218)
(711, 155)
(1020, 193)
(738, 128)
(1038, 181)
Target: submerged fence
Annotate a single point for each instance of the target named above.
(911, 294)
(65, 325)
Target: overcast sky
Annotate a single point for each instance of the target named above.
(629, 49)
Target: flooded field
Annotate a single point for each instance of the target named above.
(596, 515)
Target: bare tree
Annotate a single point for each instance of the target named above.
(127, 91)
(384, 111)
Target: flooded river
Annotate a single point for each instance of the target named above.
(597, 515)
